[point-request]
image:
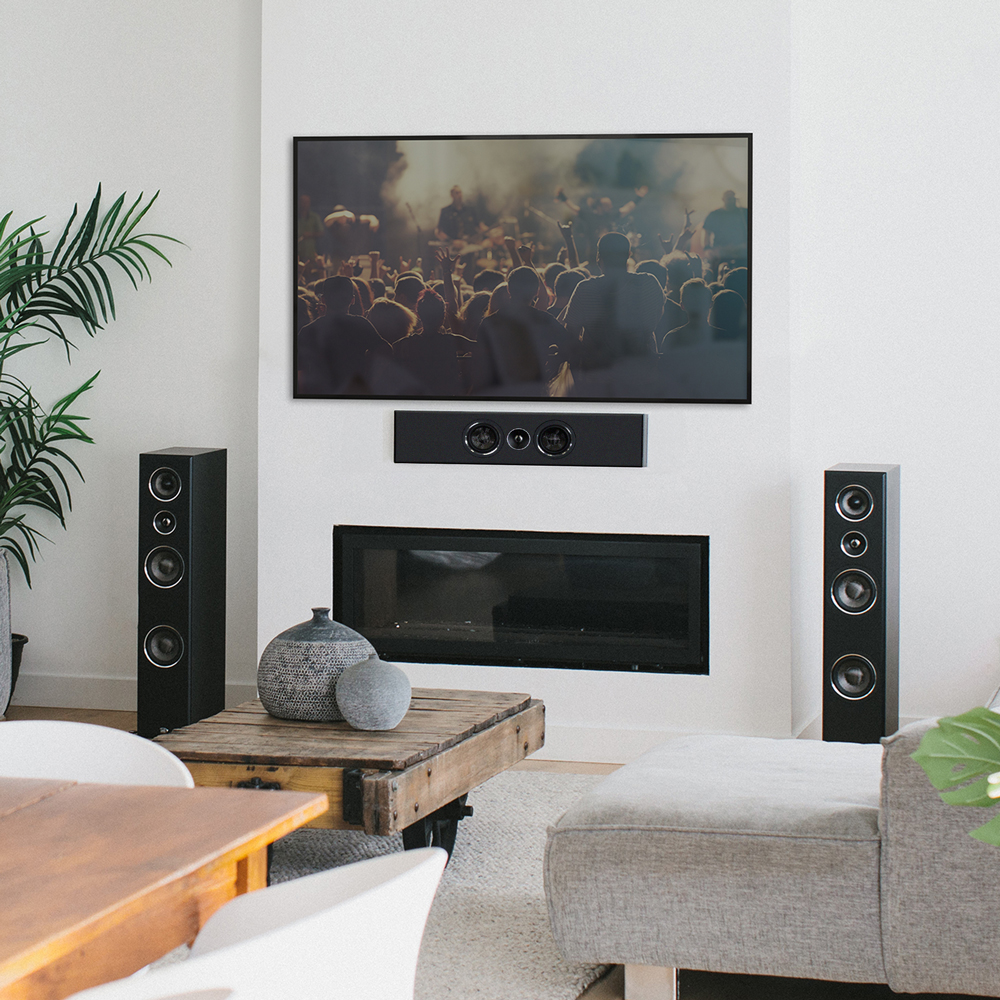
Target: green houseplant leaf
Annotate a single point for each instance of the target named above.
(959, 756)
(41, 291)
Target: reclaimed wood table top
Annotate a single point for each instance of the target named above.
(449, 742)
(437, 719)
(99, 880)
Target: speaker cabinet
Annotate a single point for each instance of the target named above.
(861, 603)
(451, 437)
(182, 587)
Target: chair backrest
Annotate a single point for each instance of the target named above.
(342, 934)
(395, 888)
(42, 748)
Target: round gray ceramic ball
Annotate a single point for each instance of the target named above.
(373, 694)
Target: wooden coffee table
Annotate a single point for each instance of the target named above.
(413, 779)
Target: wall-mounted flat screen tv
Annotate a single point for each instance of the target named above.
(576, 268)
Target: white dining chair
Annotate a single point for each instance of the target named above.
(349, 933)
(79, 751)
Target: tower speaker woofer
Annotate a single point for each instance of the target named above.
(861, 603)
(181, 674)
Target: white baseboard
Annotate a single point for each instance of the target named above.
(568, 743)
(113, 693)
(812, 730)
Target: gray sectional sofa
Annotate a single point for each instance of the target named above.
(795, 858)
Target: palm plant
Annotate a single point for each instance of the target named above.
(40, 291)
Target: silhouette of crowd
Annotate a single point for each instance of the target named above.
(584, 319)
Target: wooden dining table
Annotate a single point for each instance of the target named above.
(97, 881)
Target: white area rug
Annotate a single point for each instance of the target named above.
(488, 935)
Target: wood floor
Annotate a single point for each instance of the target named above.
(96, 716)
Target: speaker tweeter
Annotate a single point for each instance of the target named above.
(854, 544)
(518, 439)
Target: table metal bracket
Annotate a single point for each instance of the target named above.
(353, 797)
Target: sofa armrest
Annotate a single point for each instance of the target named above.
(939, 887)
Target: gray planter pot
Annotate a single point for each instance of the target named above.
(6, 666)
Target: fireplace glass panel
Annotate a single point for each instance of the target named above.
(607, 602)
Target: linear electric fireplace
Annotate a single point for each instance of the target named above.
(526, 598)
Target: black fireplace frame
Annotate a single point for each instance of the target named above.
(689, 657)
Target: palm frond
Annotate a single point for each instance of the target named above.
(71, 282)
(43, 293)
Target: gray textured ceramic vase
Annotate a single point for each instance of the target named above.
(299, 669)
(373, 694)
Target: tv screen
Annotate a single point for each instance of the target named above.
(577, 268)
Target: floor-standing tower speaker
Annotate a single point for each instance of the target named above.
(861, 603)
(182, 587)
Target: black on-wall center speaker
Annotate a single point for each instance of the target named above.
(860, 603)
(182, 587)
(450, 437)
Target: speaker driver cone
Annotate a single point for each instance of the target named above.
(854, 592)
(163, 646)
(164, 567)
(165, 484)
(554, 439)
(854, 503)
(853, 677)
(482, 438)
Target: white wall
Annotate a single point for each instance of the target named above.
(716, 470)
(894, 351)
(872, 341)
(139, 97)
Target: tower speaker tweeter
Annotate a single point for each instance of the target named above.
(182, 587)
(861, 603)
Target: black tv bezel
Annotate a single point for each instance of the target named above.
(347, 539)
(483, 399)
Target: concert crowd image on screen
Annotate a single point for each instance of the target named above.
(578, 268)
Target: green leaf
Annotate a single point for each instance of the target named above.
(62, 239)
(42, 293)
(958, 755)
(988, 833)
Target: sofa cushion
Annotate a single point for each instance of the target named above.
(741, 784)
